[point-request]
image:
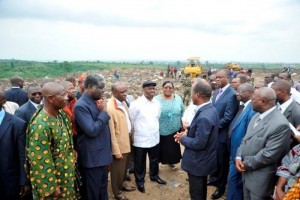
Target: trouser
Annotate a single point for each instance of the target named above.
(94, 183)
(234, 183)
(118, 169)
(140, 163)
(220, 175)
(197, 187)
(248, 195)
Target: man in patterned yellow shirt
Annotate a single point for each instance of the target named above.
(50, 151)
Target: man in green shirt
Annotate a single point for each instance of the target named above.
(50, 151)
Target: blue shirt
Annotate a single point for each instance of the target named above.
(171, 113)
(2, 114)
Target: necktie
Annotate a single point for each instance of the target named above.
(219, 94)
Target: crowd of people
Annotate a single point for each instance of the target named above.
(237, 135)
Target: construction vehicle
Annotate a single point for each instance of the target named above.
(193, 67)
(233, 66)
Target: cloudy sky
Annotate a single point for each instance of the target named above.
(215, 30)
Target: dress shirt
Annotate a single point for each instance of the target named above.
(285, 105)
(189, 114)
(34, 104)
(246, 104)
(144, 115)
(10, 107)
(295, 95)
(2, 114)
(200, 106)
(122, 107)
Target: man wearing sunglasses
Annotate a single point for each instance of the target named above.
(26, 111)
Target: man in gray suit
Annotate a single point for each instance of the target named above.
(263, 147)
(287, 106)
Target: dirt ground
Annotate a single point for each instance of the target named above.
(177, 187)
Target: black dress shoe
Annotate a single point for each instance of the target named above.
(141, 188)
(217, 194)
(159, 180)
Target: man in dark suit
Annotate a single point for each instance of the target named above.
(16, 94)
(26, 111)
(237, 131)
(266, 142)
(200, 141)
(93, 142)
(226, 103)
(13, 182)
(287, 106)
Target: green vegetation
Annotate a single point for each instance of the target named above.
(34, 69)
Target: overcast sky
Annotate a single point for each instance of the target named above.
(215, 30)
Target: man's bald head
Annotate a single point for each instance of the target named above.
(282, 85)
(52, 88)
(263, 99)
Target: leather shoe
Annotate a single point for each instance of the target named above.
(211, 183)
(217, 194)
(159, 180)
(127, 177)
(128, 188)
(131, 171)
(141, 188)
(119, 197)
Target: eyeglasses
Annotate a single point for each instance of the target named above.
(241, 92)
(36, 93)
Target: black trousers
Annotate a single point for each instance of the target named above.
(197, 187)
(94, 183)
(221, 174)
(140, 155)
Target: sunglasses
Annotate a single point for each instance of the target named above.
(36, 93)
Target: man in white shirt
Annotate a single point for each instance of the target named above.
(295, 95)
(287, 106)
(144, 114)
(190, 111)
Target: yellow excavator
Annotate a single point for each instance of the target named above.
(193, 67)
(233, 66)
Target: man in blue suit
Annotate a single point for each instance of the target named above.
(16, 94)
(13, 182)
(224, 100)
(200, 141)
(26, 111)
(93, 143)
(237, 131)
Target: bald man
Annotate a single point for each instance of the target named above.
(264, 145)
(50, 151)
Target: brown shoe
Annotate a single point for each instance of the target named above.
(128, 188)
(121, 197)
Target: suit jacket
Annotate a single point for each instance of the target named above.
(239, 129)
(12, 154)
(26, 111)
(93, 142)
(292, 113)
(227, 106)
(199, 157)
(16, 95)
(118, 127)
(262, 149)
